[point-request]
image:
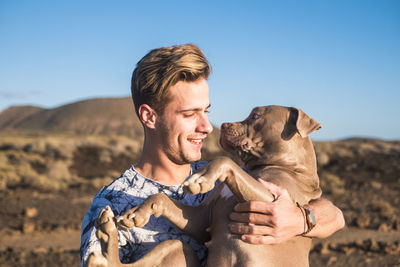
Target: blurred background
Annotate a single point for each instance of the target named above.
(337, 60)
(67, 125)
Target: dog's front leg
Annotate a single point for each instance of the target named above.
(191, 219)
(242, 185)
(139, 216)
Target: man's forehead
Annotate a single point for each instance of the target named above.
(189, 95)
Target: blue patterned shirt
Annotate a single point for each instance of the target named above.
(125, 192)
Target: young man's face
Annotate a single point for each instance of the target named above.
(184, 124)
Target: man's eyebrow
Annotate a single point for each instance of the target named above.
(193, 109)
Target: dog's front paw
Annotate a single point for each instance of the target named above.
(136, 217)
(96, 259)
(105, 224)
(126, 220)
(197, 184)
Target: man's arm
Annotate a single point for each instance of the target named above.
(280, 220)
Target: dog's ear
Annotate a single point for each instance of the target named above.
(304, 124)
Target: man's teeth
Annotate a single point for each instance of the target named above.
(196, 141)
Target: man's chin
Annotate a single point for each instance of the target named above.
(187, 159)
(193, 159)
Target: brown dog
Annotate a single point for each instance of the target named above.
(274, 145)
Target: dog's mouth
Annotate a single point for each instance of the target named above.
(232, 137)
(231, 145)
(235, 140)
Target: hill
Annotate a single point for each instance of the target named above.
(12, 116)
(101, 116)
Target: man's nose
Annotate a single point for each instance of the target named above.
(204, 124)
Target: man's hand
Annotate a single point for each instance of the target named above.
(280, 220)
(268, 223)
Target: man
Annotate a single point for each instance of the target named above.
(170, 93)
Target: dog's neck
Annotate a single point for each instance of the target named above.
(303, 187)
(304, 163)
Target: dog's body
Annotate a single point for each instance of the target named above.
(274, 145)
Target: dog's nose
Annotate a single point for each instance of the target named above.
(225, 125)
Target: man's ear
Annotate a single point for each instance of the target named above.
(147, 116)
(304, 124)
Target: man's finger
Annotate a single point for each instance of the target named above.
(254, 218)
(254, 206)
(250, 229)
(258, 239)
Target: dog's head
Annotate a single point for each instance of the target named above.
(271, 135)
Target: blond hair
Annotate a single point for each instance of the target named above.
(162, 68)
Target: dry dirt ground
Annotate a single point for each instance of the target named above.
(40, 222)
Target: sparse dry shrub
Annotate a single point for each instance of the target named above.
(43, 183)
(51, 181)
(100, 182)
(27, 174)
(331, 183)
(344, 152)
(105, 156)
(362, 220)
(37, 146)
(322, 159)
(46, 162)
(365, 148)
(58, 171)
(383, 207)
(8, 177)
(323, 147)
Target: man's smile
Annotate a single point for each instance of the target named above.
(196, 141)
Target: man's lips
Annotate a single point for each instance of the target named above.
(196, 141)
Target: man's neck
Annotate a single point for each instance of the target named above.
(162, 170)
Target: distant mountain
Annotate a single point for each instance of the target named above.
(14, 115)
(102, 116)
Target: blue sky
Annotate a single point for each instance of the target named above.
(339, 61)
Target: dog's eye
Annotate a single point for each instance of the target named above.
(256, 116)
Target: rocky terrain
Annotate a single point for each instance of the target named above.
(50, 173)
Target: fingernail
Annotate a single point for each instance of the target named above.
(132, 216)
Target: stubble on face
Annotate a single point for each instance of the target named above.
(179, 131)
(175, 151)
